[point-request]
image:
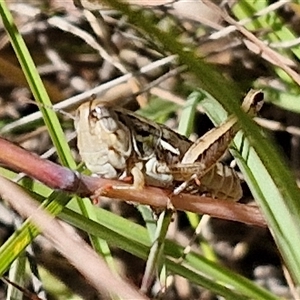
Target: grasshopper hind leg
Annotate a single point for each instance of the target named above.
(221, 182)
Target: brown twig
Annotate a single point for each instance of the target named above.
(58, 177)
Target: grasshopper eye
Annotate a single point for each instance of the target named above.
(95, 114)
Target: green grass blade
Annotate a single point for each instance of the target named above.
(156, 255)
(54, 128)
(37, 88)
(270, 191)
(134, 238)
(285, 100)
(99, 245)
(277, 31)
(20, 239)
(17, 275)
(187, 118)
(240, 284)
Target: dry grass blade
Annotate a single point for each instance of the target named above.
(266, 52)
(107, 90)
(74, 248)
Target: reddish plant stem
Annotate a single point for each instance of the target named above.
(58, 177)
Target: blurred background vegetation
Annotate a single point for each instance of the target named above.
(80, 48)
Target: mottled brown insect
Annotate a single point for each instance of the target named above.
(114, 143)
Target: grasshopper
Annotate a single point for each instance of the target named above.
(114, 143)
